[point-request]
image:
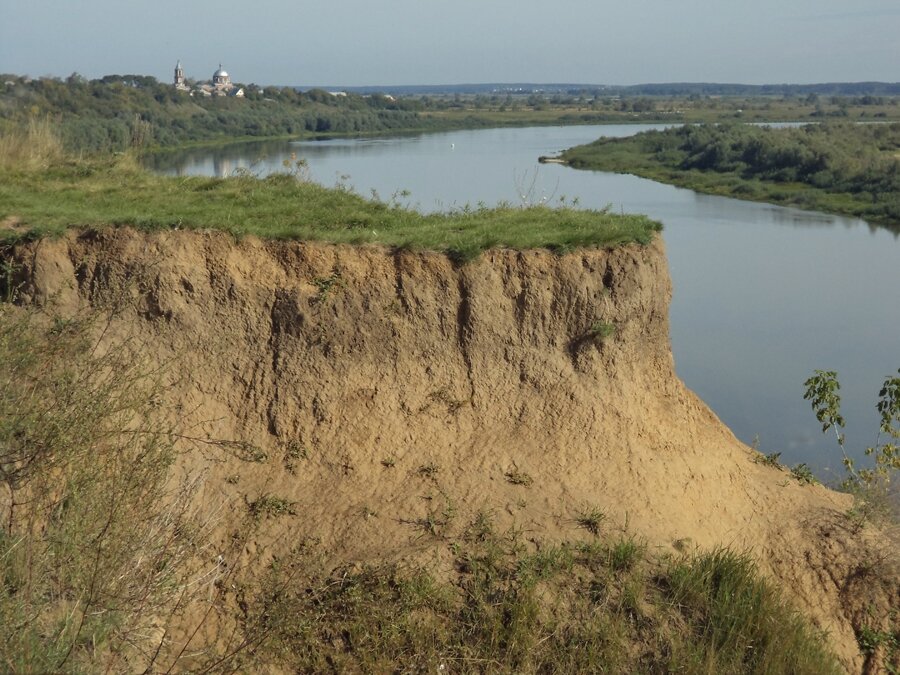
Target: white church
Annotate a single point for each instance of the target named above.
(219, 85)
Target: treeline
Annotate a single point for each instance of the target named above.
(858, 89)
(858, 159)
(834, 166)
(662, 89)
(118, 111)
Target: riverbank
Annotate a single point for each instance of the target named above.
(377, 436)
(835, 168)
(396, 417)
(46, 202)
(116, 113)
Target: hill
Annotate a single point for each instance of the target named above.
(368, 407)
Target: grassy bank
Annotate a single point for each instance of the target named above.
(606, 605)
(837, 168)
(43, 193)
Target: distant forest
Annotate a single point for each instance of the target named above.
(116, 112)
(669, 89)
(120, 111)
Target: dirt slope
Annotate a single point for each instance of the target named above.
(395, 392)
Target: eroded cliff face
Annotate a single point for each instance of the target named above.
(380, 390)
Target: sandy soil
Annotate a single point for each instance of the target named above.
(388, 388)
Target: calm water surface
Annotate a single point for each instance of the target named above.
(763, 295)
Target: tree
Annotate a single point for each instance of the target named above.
(867, 485)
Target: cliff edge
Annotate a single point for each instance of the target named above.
(379, 389)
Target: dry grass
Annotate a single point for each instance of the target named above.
(99, 548)
(599, 607)
(35, 148)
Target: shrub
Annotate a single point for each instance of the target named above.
(98, 548)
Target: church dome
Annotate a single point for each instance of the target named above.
(220, 72)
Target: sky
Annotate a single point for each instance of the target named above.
(396, 42)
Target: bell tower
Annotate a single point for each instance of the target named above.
(179, 76)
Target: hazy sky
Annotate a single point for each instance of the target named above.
(361, 42)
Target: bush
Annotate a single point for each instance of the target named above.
(98, 549)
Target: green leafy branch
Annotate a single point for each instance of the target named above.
(822, 390)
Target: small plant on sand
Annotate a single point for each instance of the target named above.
(437, 520)
(517, 477)
(271, 506)
(294, 452)
(772, 459)
(327, 285)
(870, 641)
(590, 519)
(602, 330)
(803, 474)
(429, 470)
(625, 554)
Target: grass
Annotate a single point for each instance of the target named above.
(294, 453)
(271, 506)
(561, 608)
(429, 470)
(60, 194)
(601, 330)
(35, 148)
(590, 519)
(732, 613)
(96, 544)
(516, 477)
(625, 554)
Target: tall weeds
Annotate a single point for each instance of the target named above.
(36, 146)
(98, 549)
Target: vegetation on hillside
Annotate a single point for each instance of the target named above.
(608, 605)
(58, 193)
(116, 112)
(836, 167)
(97, 547)
(874, 488)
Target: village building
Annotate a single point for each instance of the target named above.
(180, 82)
(219, 85)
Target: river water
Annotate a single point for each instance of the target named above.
(763, 295)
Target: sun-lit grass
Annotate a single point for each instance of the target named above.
(566, 608)
(739, 619)
(116, 192)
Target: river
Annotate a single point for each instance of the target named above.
(763, 295)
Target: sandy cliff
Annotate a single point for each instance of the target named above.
(379, 390)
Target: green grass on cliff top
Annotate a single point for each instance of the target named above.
(46, 200)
